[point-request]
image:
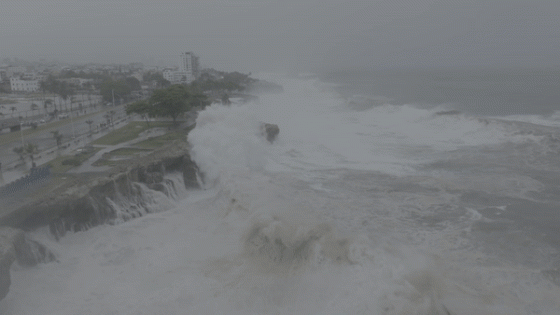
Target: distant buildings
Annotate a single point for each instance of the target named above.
(186, 72)
(19, 85)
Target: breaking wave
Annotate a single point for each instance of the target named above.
(358, 207)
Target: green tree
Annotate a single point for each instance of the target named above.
(89, 122)
(158, 77)
(28, 149)
(20, 151)
(34, 107)
(170, 102)
(31, 150)
(58, 137)
(61, 88)
(133, 83)
(119, 87)
(225, 99)
(46, 104)
(143, 108)
(109, 117)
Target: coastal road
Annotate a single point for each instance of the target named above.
(74, 130)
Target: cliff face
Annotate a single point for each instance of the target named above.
(124, 195)
(127, 193)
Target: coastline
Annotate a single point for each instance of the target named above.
(71, 205)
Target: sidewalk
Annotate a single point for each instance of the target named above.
(45, 156)
(87, 166)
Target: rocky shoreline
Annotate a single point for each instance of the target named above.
(87, 200)
(84, 202)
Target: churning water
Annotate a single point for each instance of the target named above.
(359, 207)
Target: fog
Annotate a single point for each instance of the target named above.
(253, 35)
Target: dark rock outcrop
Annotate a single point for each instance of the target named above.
(121, 190)
(270, 131)
(14, 246)
(121, 196)
(7, 257)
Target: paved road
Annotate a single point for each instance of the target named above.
(75, 133)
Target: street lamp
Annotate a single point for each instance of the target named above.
(21, 131)
(72, 123)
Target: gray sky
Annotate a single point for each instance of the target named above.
(254, 35)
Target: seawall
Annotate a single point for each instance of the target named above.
(127, 192)
(80, 207)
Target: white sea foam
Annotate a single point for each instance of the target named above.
(300, 226)
(319, 131)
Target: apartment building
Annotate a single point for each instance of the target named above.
(19, 85)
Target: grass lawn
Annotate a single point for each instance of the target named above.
(119, 156)
(65, 162)
(130, 132)
(156, 142)
(128, 151)
(103, 162)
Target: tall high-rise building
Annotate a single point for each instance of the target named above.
(187, 71)
(185, 62)
(188, 64)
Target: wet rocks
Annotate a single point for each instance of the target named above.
(15, 247)
(270, 131)
(7, 257)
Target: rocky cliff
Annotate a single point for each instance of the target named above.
(122, 195)
(127, 192)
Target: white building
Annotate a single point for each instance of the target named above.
(177, 77)
(185, 62)
(188, 63)
(169, 74)
(19, 85)
(188, 67)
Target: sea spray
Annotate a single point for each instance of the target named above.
(348, 212)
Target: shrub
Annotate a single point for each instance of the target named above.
(72, 161)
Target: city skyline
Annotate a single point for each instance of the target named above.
(255, 35)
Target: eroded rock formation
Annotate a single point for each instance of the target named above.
(14, 246)
(270, 131)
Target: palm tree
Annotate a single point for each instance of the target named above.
(225, 99)
(27, 149)
(64, 98)
(34, 107)
(58, 137)
(46, 104)
(89, 122)
(13, 109)
(109, 117)
(20, 151)
(31, 149)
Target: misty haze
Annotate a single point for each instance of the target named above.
(279, 157)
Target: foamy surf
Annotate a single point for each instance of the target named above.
(387, 210)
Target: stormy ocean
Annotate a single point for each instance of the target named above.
(385, 193)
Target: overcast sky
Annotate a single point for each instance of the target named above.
(255, 35)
